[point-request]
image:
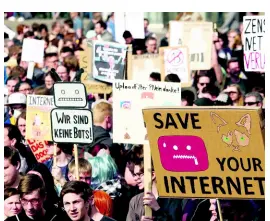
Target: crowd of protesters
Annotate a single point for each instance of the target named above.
(111, 175)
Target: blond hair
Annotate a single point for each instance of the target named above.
(83, 164)
(101, 110)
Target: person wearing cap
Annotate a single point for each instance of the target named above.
(16, 103)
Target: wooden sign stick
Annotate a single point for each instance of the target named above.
(54, 154)
(147, 176)
(105, 96)
(30, 70)
(76, 162)
(219, 211)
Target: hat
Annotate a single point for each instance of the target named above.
(16, 98)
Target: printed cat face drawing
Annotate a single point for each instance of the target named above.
(234, 136)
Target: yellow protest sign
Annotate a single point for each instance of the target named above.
(38, 122)
(85, 62)
(207, 152)
(96, 87)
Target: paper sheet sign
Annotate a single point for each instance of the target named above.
(207, 152)
(129, 97)
(38, 122)
(197, 36)
(33, 50)
(67, 94)
(72, 126)
(39, 149)
(109, 60)
(175, 60)
(141, 66)
(254, 43)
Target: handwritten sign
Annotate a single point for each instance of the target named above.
(129, 99)
(109, 61)
(197, 36)
(95, 87)
(85, 58)
(175, 60)
(207, 152)
(38, 122)
(39, 149)
(72, 126)
(254, 43)
(141, 66)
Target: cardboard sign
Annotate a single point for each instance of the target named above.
(207, 152)
(141, 66)
(85, 58)
(131, 21)
(39, 149)
(33, 50)
(197, 36)
(109, 61)
(129, 97)
(69, 94)
(38, 122)
(175, 60)
(95, 87)
(254, 43)
(72, 126)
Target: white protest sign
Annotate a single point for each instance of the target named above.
(32, 51)
(72, 126)
(130, 97)
(175, 60)
(130, 21)
(197, 36)
(254, 43)
(70, 94)
(11, 34)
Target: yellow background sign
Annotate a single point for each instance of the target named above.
(207, 152)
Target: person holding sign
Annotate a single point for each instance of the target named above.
(163, 208)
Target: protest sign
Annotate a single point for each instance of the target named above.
(85, 58)
(38, 123)
(109, 60)
(207, 152)
(129, 97)
(131, 21)
(197, 36)
(39, 149)
(72, 126)
(174, 60)
(95, 87)
(32, 51)
(67, 94)
(254, 43)
(141, 66)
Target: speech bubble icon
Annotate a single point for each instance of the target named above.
(70, 94)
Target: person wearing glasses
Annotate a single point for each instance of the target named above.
(253, 99)
(32, 196)
(24, 88)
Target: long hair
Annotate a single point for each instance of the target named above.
(240, 100)
(103, 202)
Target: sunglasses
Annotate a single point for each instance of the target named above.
(202, 84)
(250, 103)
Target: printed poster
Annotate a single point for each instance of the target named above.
(254, 43)
(197, 36)
(109, 61)
(38, 123)
(130, 97)
(174, 60)
(142, 66)
(207, 152)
